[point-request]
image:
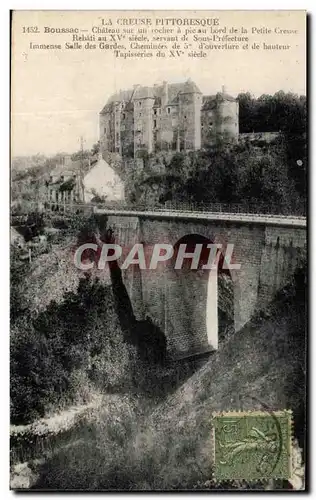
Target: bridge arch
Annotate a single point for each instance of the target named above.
(200, 302)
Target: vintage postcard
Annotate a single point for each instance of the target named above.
(158, 250)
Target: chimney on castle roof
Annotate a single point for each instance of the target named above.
(164, 96)
(223, 89)
(67, 160)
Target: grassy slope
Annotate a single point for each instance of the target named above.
(261, 366)
(52, 274)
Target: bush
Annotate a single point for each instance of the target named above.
(78, 338)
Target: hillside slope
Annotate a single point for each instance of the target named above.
(50, 275)
(261, 367)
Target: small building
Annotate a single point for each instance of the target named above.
(82, 181)
(102, 183)
(64, 186)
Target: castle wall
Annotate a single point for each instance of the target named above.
(127, 132)
(259, 136)
(208, 127)
(107, 131)
(169, 122)
(190, 121)
(228, 114)
(117, 127)
(143, 124)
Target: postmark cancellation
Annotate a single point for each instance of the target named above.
(252, 445)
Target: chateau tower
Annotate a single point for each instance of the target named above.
(190, 102)
(219, 118)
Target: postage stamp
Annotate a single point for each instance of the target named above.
(252, 445)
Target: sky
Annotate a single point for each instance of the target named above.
(56, 96)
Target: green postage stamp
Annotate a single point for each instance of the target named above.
(252, 445)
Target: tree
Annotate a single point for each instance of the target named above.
(81, 155)
(95, 148)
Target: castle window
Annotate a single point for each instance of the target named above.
(155, 111)
(140, 103)
(124, 116)
(168, 111)
(117, 136)
(140, 114)
(185, 117)
(155, 123)
(105, 130)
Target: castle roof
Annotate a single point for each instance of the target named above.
(189, 87)
(209, 102)
(225, 97)
(143, 93)
(155, 92)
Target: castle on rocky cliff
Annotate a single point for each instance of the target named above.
(171, 116)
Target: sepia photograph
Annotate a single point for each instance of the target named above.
(158, 250)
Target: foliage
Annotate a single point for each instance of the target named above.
(238, 174)
(268, 113)
(63, 354)
(68, 185)
(95, 148)
(126, 448)
(47, 349)
(282, 112)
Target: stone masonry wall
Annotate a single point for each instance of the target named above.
(283, 252)
(163, 295)
(268, 257)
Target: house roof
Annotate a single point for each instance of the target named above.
(74, 167)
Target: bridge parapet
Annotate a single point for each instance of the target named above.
(276, 220)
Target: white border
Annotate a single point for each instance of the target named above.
(4, 184)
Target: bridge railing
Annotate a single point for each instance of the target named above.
(224, 208)
(227, 208)
(236, 208)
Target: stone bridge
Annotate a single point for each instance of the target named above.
(196, 308)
